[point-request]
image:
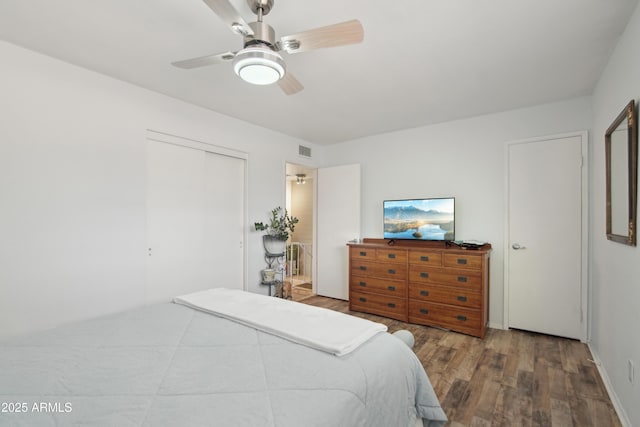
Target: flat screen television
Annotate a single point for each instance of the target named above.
(420, 219)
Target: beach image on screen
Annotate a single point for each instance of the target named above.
(422, 219)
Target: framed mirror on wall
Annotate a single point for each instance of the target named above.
(621, 156)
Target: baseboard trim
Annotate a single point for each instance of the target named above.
(622, 415)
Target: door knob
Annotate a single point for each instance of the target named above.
(517, 246)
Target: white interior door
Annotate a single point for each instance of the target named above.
(225, 220)
(546, 239)
(175, 220)
(195, 219)
(338, 207)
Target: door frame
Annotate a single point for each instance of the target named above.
(158, 136)
(584, 273)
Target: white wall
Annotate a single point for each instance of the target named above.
(302, 208)
(464, 159)
(72, 187)
(615, 268)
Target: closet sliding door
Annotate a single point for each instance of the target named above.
(225, 220)
(195, 220)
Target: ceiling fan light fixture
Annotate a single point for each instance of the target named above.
(259, 65)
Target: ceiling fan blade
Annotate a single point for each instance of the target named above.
(344, 33)
(203, 61)
(230, 16)
(289, 84)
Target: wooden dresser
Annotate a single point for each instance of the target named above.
(427, 283)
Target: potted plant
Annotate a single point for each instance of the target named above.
(278, 228)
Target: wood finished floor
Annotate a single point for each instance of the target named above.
(511, 378)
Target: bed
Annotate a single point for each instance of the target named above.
(173, 365)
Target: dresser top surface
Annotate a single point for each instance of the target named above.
(448, 247)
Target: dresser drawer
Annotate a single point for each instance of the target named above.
(391, 271)
(378, 286)
(425, 258)
(458, 318)
(462, 297)
(363, 267)
(468, 279)
(472, 262)
(392, 255)
(361, 252)
(382, 270)
(393, 307)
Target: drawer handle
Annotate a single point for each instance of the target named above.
(424, 311)
(363, 284)
(363, 268)
(424, 275)
(462, 261)
(462, 318)
(424, 293)
(462, 298)
(392, 256)
(363, 299)
(424, 258)
(391, 271)
(462, 279)
(392, 305)
(391, 288)
(363, 253)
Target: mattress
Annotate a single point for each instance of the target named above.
(171, 365)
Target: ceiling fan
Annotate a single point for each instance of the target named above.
(259, 61)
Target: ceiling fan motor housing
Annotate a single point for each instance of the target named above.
(262, 33)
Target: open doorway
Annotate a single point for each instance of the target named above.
(300, 196)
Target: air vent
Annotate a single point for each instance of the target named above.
(304, 151)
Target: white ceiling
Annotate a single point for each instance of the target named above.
(421, 62)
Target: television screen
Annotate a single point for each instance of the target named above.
(420, 219)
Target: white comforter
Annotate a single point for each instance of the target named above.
(171, 365)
